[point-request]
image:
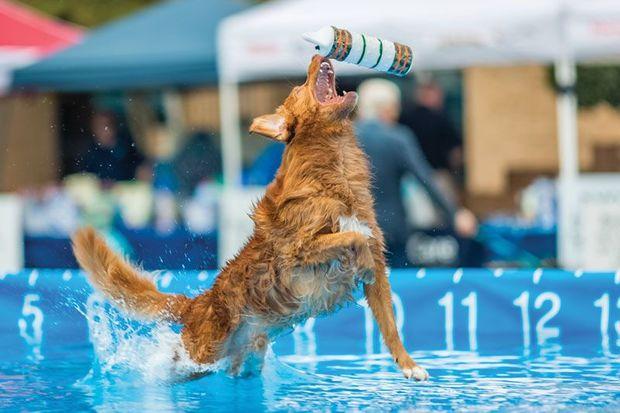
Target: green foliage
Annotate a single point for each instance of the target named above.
(596, 84)
(88, 13)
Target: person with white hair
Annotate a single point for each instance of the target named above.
(393, 153)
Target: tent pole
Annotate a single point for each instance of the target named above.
(228, 238)
(566, 106)
(230, 133)
(229, 208)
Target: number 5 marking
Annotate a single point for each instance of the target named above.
(34, 339)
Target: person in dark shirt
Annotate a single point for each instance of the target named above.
(199, 161)
(111, 156)
(394, 153)
(440, 141)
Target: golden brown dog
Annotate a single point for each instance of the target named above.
(315, 240)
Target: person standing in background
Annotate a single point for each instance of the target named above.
(439, 140)
(393, 152)
(111, 156)
(199, 161)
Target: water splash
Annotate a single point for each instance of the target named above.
(150, 352)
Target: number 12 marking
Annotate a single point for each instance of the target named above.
(543, 333)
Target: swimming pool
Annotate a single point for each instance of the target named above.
(491, 339)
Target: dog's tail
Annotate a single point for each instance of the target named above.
(122, 283)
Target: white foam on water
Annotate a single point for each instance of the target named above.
(154, 351)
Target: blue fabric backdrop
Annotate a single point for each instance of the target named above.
(469, 310)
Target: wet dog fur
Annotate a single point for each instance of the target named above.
(315, 241)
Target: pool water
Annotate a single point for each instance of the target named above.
(61, 348)
(460, 381)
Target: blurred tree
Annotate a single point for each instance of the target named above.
(88, 13)
(595, 84)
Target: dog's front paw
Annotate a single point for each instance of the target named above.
(410, 369)
(416, 372)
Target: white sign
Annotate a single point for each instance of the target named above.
(590, 236)
(11, 234)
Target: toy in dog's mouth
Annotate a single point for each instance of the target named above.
(325, 87)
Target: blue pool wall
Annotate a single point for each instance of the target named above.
(481, 310)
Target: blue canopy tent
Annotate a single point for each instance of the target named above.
(173, 44)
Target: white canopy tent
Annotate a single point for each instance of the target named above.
(265, 43)
(12, 58)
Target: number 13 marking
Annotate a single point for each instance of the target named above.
(604, 304)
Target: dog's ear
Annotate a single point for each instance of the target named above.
(273, 126)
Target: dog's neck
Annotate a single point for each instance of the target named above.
(317, 149)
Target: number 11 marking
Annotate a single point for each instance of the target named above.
(471, 302)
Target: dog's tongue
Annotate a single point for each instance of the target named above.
(324, 83)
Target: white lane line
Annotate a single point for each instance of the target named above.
(66, 276)
(537, 275)
(165, 280)
(33, 277)
(458, 274)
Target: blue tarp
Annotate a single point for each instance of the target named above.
(173, 44)
(469, 310)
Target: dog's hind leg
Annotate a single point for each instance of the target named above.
(256, 359)
(246, 350)
(204, 343)
(208, 325)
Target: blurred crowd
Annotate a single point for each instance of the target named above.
(424, 145)
(414, 149)
(416, 158)
(115, 184)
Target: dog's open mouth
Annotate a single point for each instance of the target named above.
(325, 87)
